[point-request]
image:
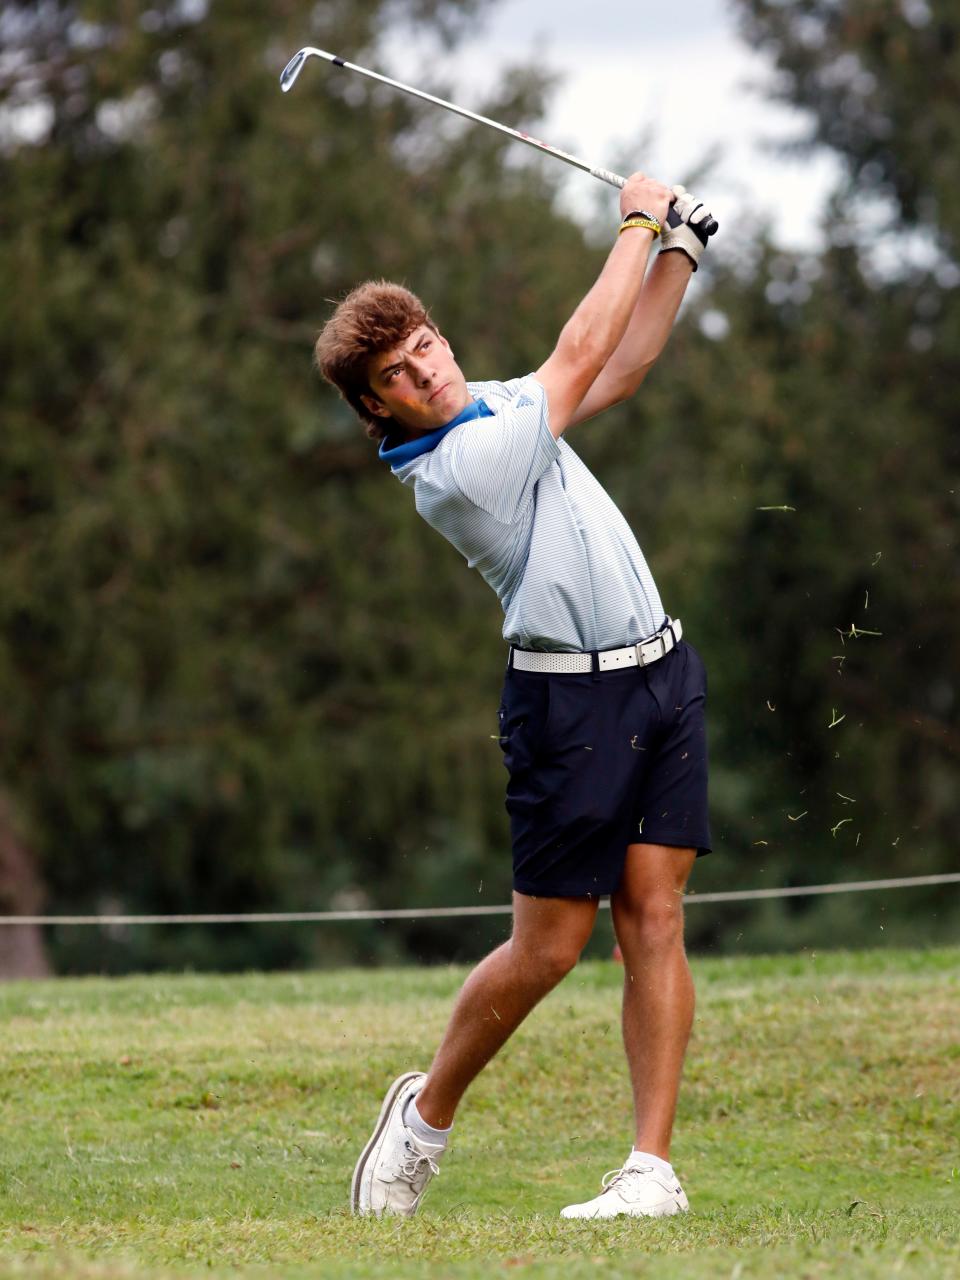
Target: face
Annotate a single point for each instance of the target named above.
(417, 382)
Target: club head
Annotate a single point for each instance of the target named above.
(290, 72)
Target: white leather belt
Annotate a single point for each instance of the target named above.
(634, 655)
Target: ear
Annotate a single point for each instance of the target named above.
(376, 406)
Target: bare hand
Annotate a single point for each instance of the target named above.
(645, 193)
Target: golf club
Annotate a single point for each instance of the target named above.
(293, 68)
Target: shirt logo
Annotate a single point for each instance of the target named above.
(524, 402)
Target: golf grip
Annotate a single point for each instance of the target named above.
(673, 219)
(710, 226)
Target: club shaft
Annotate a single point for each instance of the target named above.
(596, 171)
(295, 65)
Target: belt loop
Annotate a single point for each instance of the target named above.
(595, 656)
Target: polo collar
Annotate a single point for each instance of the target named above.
(399, 455)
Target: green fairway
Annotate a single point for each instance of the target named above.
(201, 1125)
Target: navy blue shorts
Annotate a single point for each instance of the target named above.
(599, 762)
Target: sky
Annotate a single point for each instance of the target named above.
(679, 75)
(676, 83)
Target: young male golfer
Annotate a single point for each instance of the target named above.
(601, 722)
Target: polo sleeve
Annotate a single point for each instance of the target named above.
(495, 462)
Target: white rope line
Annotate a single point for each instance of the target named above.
(436, 913)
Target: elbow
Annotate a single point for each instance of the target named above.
(629, 383)
(640, 374)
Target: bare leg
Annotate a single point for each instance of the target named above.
(658, 998)
(548, 936)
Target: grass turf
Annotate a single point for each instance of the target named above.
(174, 1126)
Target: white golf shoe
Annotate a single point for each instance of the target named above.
(637, 1190)
(395, 1166)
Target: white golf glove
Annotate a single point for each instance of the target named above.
(689, 235)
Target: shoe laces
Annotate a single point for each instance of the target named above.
(615, 1176)
(415, 1166)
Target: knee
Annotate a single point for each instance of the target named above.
(548, 960)
(654, 925)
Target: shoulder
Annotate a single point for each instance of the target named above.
(519, 393)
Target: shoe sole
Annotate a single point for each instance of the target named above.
(388, 1105)
(623, 1213)
(664, 1208)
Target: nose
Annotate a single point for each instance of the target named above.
(421, 371)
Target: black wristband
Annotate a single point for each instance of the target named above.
(640, 213)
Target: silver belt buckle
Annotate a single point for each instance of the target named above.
(661, 639)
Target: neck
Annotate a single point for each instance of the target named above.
(404, 433)
(397, 453)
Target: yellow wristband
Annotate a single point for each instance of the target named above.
(649, 223)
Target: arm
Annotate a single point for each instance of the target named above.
(656, 309)
(597, 327)
(644, 339)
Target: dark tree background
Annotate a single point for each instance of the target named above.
(238, 673)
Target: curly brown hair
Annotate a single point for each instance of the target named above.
(372, 318)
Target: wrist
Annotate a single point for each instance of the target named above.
(684, 239)
(640, 219)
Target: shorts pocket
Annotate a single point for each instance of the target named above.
(524, 718)
(696, 676)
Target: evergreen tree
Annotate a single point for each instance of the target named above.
(235, 671)
(238, 672)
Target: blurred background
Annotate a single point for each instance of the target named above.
(238, 673)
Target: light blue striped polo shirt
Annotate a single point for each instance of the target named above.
(524, 510)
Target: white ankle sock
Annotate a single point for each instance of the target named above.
(425, 1132)
(644, 1157)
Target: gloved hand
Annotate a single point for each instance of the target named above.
(690, 233)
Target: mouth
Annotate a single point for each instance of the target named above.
(438, 390)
